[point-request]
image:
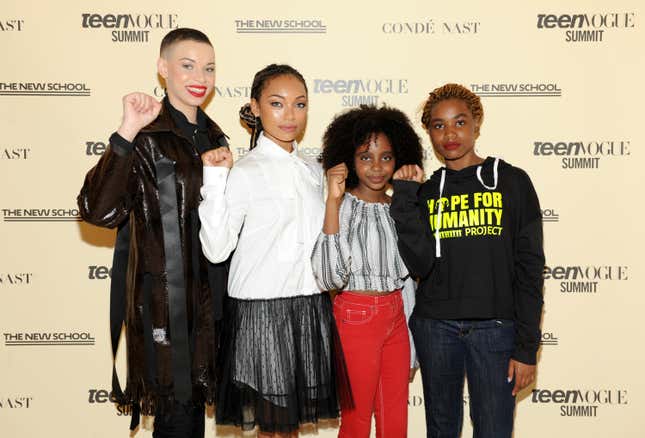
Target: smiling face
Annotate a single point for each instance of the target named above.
(453, 132)
(282, 108)
(188, 68)
(374, 163)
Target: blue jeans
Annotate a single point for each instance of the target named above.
(480, 350)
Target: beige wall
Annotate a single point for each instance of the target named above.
(591, 93)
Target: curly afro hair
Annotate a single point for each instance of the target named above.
(352, 129)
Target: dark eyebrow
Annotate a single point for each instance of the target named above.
(282, 97)
(437, 119)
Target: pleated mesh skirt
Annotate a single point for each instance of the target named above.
(280, 364)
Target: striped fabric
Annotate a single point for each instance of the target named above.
(364, 254)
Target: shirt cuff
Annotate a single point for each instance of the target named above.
(120, 145)
(215, 176)
(524, 356)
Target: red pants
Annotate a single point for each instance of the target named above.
(375, 341)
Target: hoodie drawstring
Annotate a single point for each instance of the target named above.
(437, 237)
(479, 175)
(440, 207)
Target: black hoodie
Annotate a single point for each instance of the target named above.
(478, 253)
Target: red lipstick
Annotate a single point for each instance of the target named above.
(196, 90)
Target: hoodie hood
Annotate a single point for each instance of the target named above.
(486, 169)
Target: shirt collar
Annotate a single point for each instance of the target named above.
(268, 146)
(165, 122)
(197, 133)
(187, 128)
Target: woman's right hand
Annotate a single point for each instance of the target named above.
(336, 177)
(409, 172)
(139, 110)
(220, 157)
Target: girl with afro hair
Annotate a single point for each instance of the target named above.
(356, 254)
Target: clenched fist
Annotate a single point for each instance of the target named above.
(139, 109)
(336, 177)
(220, 157)
(409, 172)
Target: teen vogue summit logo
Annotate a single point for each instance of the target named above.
(97, 272)
(95, 148)
(586, 27)
(355, 92)
(130, 28)
(585, 279)
(270, 25)
(580, 402)
(581, 154)
(102, 396)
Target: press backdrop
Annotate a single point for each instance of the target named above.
(561, 84)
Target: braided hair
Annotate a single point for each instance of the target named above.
(259, 82)
(453, 91)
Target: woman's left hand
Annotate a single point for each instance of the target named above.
(524, 375)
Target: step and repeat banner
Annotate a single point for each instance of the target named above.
(561, 85)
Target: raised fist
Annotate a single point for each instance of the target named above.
(139, 109)
(220, 157)
(409, 172)
(336, 177)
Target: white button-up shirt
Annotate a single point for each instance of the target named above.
(270, 211)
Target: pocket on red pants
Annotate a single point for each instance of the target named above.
(352, 313)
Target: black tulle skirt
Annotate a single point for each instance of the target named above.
(280, 364)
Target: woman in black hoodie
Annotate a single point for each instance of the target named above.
(472, 234)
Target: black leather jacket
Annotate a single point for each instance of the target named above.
(124, 190)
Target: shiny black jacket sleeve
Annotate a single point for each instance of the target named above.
(415, 241)
(109, 188)
(529, 268)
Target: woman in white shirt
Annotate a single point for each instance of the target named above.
(280, 357)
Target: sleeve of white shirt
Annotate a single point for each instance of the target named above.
(222, 211)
